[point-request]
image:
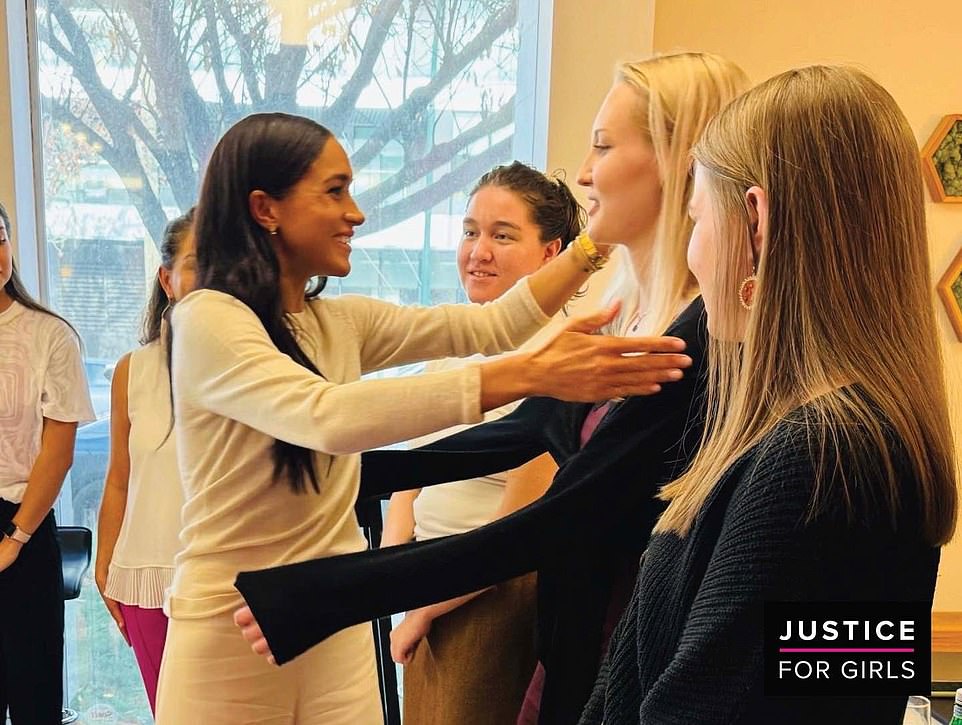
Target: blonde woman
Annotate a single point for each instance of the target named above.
(827, 470)
(585, 535)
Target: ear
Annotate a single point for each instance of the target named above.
(756, 199)
(551, 250)
(163, 276)
(263, 208)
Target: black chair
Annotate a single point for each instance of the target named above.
(369, 518)
(76, 544)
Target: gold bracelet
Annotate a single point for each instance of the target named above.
(593, 259)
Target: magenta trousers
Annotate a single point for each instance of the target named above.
(147, 629)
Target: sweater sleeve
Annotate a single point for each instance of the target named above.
(616, 474)
(621, 648)
(225, 362)
(500, 445)
(392, 335)
(762, 547)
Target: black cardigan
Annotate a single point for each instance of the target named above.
(689, 648)
(599, 509)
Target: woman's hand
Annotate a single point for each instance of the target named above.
(113, 606)
(579, 366)
(244, 618)
(406, 637)
(9, 551)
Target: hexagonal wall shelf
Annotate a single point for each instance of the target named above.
(942, 159)
(950, 290)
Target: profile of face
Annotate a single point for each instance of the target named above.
(181, 278)
(703, 246)
(6, 256)
(708, 254)
(621, 173)
(315, 220)
(500, 244)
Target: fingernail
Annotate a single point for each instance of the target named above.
(675, 374)
(655, 388)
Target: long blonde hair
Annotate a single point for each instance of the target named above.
(677, 95)
(843, 297)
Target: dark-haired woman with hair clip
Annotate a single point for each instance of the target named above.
(271, 412)
(139, 523)
(516, 221)
(43, 398)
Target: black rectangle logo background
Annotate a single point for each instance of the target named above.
(833, 681)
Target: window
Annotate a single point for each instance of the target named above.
(425, 95)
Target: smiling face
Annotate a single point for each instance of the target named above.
(621, 173)
(500, 244)
(316, 219)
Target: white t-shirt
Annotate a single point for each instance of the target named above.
(460, 506)
(41, 376)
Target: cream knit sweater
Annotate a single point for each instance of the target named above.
(234, 393)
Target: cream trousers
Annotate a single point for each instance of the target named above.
(209, 675)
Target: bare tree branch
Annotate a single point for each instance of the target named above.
(116, 117)
(337, 115)
(212, 43)
(282, 71)
(437, 156)
(246, 53)
(385, 216)
(419, 99)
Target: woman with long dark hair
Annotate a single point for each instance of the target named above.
(43, 398)
(139, 523)
(271, 412)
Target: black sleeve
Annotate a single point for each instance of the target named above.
(633, 450)
(621, 648)
(535, 426)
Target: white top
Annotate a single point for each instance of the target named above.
(459, 506)
(235, 393)
(142, 566)
(41, 376)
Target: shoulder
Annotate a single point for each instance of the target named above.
(348, 305)
(54, 330)
(204, 301)
(119, 380)
(810, 457)
(122, 366)
(691, 326)
(209, 316)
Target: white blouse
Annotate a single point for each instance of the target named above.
(41, 376)
(142, 566)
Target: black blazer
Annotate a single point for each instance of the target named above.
(600, 508)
